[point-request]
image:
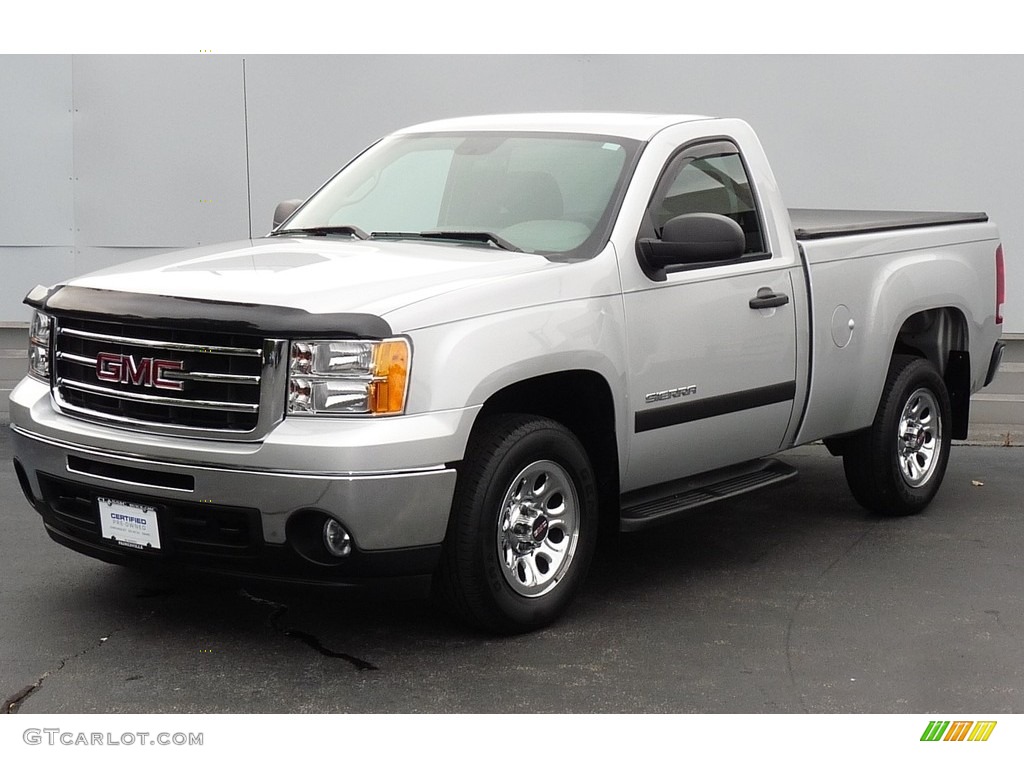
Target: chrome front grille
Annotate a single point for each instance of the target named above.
(167, 379)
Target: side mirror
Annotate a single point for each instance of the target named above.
(284, 210)
(693, 238)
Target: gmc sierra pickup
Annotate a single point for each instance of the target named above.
(483, 339)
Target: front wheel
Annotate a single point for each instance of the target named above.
(523, 525)
(897, 465)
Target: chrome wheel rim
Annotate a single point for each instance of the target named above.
(538, 528)
(919, 439)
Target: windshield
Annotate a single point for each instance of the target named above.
(539, 193)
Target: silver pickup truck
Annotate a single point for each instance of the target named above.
(485, 341)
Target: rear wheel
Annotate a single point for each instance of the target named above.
(523, 525)
(896, 466)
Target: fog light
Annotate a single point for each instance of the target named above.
(336, 538)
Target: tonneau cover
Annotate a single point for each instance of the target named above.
(815, 223)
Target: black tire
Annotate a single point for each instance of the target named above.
(523, 526)
(896, 466)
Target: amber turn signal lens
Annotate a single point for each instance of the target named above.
(390, 377)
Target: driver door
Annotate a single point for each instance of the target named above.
(712, 377)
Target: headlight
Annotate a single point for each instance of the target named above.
(39, 346)
(348, 377)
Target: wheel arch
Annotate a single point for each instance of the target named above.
(941, 336)
(582, 401)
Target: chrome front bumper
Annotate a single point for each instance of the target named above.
(328, 466)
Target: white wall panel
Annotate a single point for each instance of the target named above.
(159, 150)
(35, 151)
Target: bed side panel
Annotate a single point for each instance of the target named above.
(864, 287)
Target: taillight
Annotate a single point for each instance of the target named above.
(1000, 285)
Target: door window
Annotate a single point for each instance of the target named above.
(708, 178)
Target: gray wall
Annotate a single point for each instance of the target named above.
(105, 158)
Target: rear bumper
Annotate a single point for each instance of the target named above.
(994, 362)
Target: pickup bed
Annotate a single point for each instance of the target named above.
(487, 341)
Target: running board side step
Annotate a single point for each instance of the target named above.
(653, 506)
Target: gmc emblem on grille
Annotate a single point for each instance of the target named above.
(147, 372)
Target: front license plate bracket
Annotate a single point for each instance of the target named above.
(129, 524)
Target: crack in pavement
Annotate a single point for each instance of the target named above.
(796, 609)
(12, 704)
(277, 624)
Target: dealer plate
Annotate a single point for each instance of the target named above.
(128, 524)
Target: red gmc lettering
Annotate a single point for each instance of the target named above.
(147, 372)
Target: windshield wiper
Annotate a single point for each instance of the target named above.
(471, 237)
(457, 235)
(341, 229)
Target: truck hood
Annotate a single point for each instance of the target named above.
(315, 274)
